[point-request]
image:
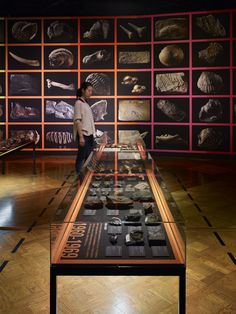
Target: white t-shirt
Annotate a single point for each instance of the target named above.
(83, 113)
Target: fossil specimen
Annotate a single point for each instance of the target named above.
(24, 31)
(59, 137)
(134, 110)
(170, 139)
(23, 84)
(131, 136)
(138, 89)
(142, 196)
(211, 25)
(135, 237)
(156, 235)
(142, 186)
(51, 83)
(211, 111)
(100, 82)
(26, 112)
(31, 135)
(61, 109)
(34, 63)
(102, 138)
(171, 55)
(128, 32)
(152, 219)
(171, 83)
(61, 58)
(148, 208)
(133, 217)
(93, 204)
(96, 57)
(115, 201)
(211, 53)
(171, 28)
(99, 30)
(129, 80)
(210, 139)
(171, 110)
(141, 30)
(99, 110)
(210, 82)
(131, 57)
(57, 30)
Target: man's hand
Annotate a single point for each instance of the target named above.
(81, 141)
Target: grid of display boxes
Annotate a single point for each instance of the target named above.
(170, 77)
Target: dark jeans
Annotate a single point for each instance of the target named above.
(84, 152)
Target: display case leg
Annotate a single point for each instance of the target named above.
(182, 293)
(53, 292)
(34, 159)
(3, 166)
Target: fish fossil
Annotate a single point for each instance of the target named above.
(100, 82)
(96, 57)
(171, 55)
(211, 53)
(170, 139)
(211, 111)
(210, 139)
(99, 110)
(131, 136)
(210, 82)
(172, 28)
(139, 57)
(31, 135)
(61, 58)
(59, 137)
(51, 83)
(129, 80)
(138, 89)
(172, 83)
(171, 110)
(23, 84)
(31, 62)
(20, 111)
(99, 30)
(24, 31)
(211, 25)
(59, 29)
(61, 110)
(134, 110)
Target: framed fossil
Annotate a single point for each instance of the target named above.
(24, 110)
(134, 30)
(60, 57)
(97, 57)
(97, 30)
(60, 83)
(133, 56)
(61, 30)
(134, 83)
(210, 25)
(24, 31)
(24, 58)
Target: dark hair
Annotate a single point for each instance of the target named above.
(83, 86)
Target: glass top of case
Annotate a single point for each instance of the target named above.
(123, 208)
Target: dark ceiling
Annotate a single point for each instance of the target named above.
(102, 7)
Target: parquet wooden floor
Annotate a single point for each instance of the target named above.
(205, 191)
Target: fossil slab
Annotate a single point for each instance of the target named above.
(171, 110)
(23, 84)
(211, 25)
(171, 28)
(131, 57)
(134, 110)
(210, 82)
(131, 136)
(61, 109)
(210, 139)
(172, 83)
(211, 53)
(22, 111)
(211, 111)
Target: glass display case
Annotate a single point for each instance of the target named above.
(119, 220)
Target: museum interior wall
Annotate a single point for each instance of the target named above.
(170, 77)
